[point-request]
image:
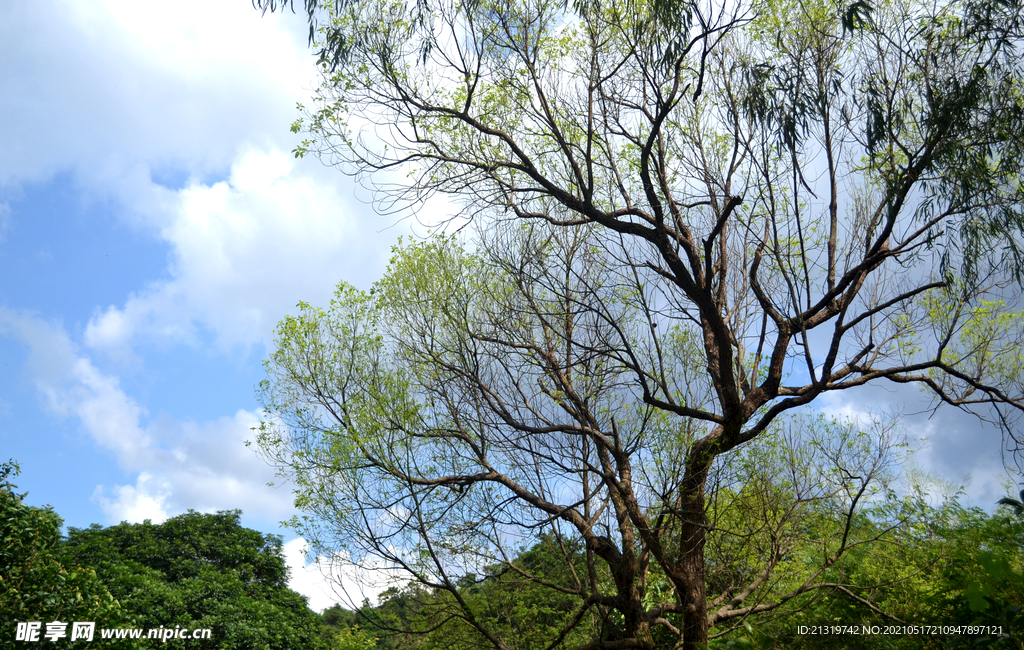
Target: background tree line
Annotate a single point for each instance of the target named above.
(944, 563)
(955, 564)
(194, 571)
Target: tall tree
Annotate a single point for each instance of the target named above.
(694, 221)
(423, 427)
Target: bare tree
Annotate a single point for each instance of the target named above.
(754, 212)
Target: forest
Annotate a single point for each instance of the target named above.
(962, 566)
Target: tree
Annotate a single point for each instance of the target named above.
(691, 223)
(341, 627)
(386, 441)
(35, 585)
(201, 571)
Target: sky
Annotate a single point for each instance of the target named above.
(154, 227)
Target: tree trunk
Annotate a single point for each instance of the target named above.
(689, 578)
(636, 624)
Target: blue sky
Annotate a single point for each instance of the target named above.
(153, 229)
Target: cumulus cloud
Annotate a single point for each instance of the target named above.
(176, 121)
(105, 87)
(308, 579)
(134, 112)
(181, 464)
(243, 252)
(325, 582)
(147, 499)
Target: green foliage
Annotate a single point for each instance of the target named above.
(201, 571)
(986, 587)
(954, 566)
(746, 638)
(517, 606)
(993, 606)
(36, 583)
(350, 639)
(396, 621)
(341, 630)
(510, 600)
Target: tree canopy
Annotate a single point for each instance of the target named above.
(690, 224)
(193, 571)
(201, 571)
(36, 583)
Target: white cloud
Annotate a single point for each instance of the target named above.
(147, 499)
(956, 445)
(243, 252)
(102, 87)
(308, 580)
(848, 411)
(121, 93)
(181, 464)
(325, 582)
(106, 412)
